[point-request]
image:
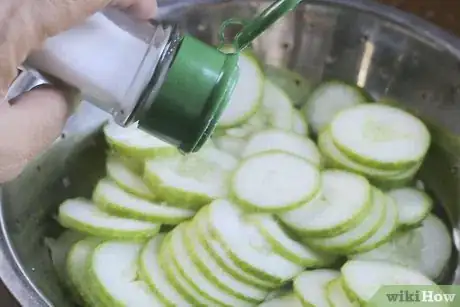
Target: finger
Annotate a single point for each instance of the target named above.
(28, 127)
(142, 9)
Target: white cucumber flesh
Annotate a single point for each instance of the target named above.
(364, 133)
(195, 277)
(257, 122)
(364, 278)
(216, 249)
(207, 264)
(413, 205)
(246, 245)
(231, 144)
(286, 246)
(310, 286)
(344, 242)
(275, 139)
(154, 275)
(127, 179)
(336, 295)
(287, 300)
(278, 107)
(327, 100)
(336, 210)
(134, 142)
(384, 232)
(274, 182)
(191, 181)
(109, 197)
(299, 124)
(77, 266)
(83, 216)
(246, 98)
(427, 248)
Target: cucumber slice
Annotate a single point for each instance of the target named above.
(177, 279)
(247, 95)
(77, 264)
(135, 164)
(279, 140)
(109, 197)
(364, 133)
(83, 216)
(59, 249)
(413, 205)
(257, 122)
(288, 300)
(191, 181)
(195, 277)
(426, 249)
(215, 248)
(113, 273)
(135, 142)
(278, 107)
(155, 276)
(365, 278)
(274, 182)
(127, 179)
(231, 144)
(207, 264)
(299, 124)
(327, 100)
(288, 247)
(384, 232)
(342, 243)
(245, 244)
(310, 286)
(337, 210)
(336, 295)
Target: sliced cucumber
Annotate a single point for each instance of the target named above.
(127, 179)
(278, 107)
(365, 278)
(195, 277)
(113, 273)
(384, 232)
(207, 264)
(288, 247)
(364, 133)
(77, 264)
(342, 243)
(246, 246)
(337, 296)
(191, 181)
(337, 210)
(275, 139)
(257, 122)
(327, 100)
(288, 300)
(216, 249)
(109, 197)
(59, 249)
(83, 216)
(155, 276)
(231, 144)
(413, 205)
(310, 286)
(274, 182)
(247, 95)
(134, 142)
(177, 279)
(299, 124)
(135, 164)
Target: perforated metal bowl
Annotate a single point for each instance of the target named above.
(390, 54)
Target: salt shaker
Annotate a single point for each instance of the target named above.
(173, 85)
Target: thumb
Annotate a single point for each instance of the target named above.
(28, 127)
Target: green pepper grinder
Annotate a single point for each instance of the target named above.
(173, 85)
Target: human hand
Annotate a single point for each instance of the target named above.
(32, 121)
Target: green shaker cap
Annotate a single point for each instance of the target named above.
(194, 94)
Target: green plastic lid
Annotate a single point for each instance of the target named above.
(200, 82)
